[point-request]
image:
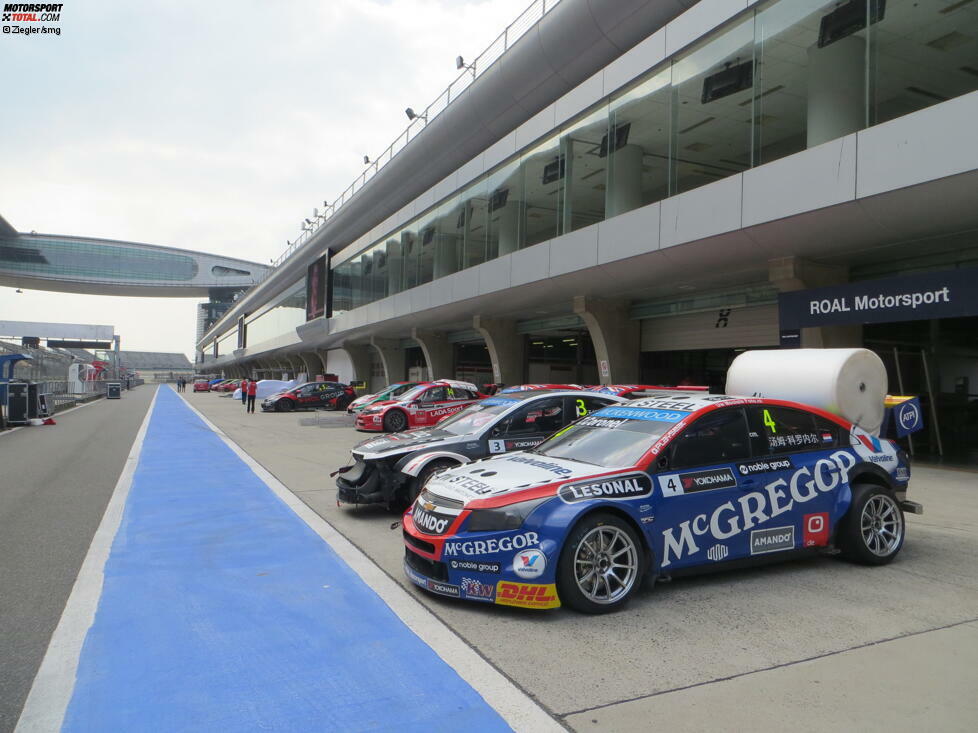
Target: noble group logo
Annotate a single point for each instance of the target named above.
(31, 13)
(526, 596)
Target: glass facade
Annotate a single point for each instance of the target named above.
(65, 258)
(284, 314)
(781, 78)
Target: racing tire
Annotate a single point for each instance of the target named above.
(414, 488)
(395, 421)
(602, 564)
(284, 406)
(873, 530)
(342, 402)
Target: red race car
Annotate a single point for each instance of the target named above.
(419, 407)
(636, 391)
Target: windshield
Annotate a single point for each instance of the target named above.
(476, 416)
(413, 393)
(611, 436)
(397, 389)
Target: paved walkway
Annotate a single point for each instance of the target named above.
(221, 609)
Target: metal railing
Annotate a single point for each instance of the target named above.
(512, 33)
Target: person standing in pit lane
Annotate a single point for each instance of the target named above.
(252, 392)
(244, 391)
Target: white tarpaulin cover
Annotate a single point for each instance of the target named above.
(848, 382)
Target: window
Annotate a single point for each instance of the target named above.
(777, 430)
(719, 437)
(435, 394)
(583, 406)
(542, 416)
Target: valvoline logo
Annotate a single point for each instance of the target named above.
(529, 564)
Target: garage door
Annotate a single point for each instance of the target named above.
(727, 328)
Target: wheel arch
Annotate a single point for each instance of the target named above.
(412, 465)
(618, 511)
(870, 473)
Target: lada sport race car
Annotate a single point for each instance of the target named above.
(392, 469)
(661, 485)
(425, 405)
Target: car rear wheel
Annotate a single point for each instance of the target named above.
(284, 406)
(872, 531)
(602, 564)
(395, 421)
(342, 402)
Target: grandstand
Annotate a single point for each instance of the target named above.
(155, 366)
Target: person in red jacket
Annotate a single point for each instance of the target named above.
(244, 391)
(252, 392)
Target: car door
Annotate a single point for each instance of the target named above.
(529, 425)
(428, 405)
(306, 396)
(791, 449)
(697, 518)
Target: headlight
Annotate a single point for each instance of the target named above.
(511, 516)
(373, 410)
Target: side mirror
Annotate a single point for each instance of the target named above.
(663, 462)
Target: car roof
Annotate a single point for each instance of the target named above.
(531, 393)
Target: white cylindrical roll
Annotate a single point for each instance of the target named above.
(848, 382)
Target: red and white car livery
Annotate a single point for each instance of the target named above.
(658, 486)
(421, 406)
(635, 391)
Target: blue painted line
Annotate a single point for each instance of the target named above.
(223, 611)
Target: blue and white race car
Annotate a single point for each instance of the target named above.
(658, 486)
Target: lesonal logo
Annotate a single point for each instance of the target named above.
(629, 486)
(717, 552)
(816, 530)
(732, 517)
(529, 564)
(431, 523)
(526, 596)
(489, 547)
(772, 540)
(476, 589)
(909, 416)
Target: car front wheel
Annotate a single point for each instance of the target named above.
(601, 565)
(284, 406)
(395, 421)
(873, 529)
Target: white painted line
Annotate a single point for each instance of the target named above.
(514, 705)
(54, 683)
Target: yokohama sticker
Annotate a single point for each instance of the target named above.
(526, 596)
(626, 486)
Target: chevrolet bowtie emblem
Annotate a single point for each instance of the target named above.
(428, 506)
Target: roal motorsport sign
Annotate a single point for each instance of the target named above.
(922, 296)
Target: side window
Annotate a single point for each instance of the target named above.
(307, 390)
(435, 394)
(777, 430)
(543, 416)
(719, 437)
(828, 432)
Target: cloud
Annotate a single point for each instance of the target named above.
(214, 126)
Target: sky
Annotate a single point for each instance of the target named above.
(212, 126)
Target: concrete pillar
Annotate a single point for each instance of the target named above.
(614, 335)
(836, 89)
(360, 359)
(392, 357)
(439, 354)
(624, 181)
(312, 363)
(321, 356)
(505, 348)
(795, 273)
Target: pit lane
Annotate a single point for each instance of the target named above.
(816, 642)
